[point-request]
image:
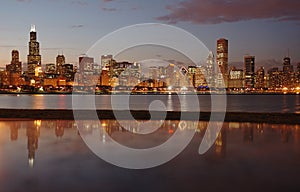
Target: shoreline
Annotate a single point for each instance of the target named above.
(148, 93)
(67, 114)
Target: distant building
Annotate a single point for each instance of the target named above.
(50, 69)
(68, 72)
(104, 77)
(249, 73)
(117, 68)
(129, 73)
(34, 57)
(200, 81)
(14, 69)
(288, 73)
(274, 78)
(106, 61)
(86, 65)
(192, 74)
(236, 78)
(260, 78)
(60, 60)
(210, 69)
(287, 67)
(153, 72)
(109, 64)
(15, 65)
(222, 58)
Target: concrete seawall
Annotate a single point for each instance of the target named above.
(277, 118)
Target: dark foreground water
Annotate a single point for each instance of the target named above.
(51, 156)
(235, 103)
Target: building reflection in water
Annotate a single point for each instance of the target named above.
(285, 133)
(220, 143)
(14, 131)
(33, 133)
(249, 132)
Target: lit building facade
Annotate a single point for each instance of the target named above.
(288, 73)
(192, 74)
(260, 78)
(222, 58)
(60, 61)
(210, 69)
(68, 72)
(15, 65)
(86, 65)
(274, 78)
(236, 78)
(249, 73)
(14, 70)
(50, 69)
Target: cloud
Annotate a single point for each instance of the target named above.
(24, 1)
(220, 11)
(107, 1)
(77, 26)
(108, 9)
(80, 3)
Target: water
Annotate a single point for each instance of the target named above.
(42, 155)
(235, 103)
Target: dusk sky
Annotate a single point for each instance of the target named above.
(266, 29)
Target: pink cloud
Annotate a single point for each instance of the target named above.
(220, 11)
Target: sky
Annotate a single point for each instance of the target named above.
(266, 29)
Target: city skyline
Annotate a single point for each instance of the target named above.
(112, 73)
(74, 26)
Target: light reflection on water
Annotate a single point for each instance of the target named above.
(43, 155)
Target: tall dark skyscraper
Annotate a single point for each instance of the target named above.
(287, 67)
(60, 61)
(222, 58)
(86, 65)
(288, 71)
(260, 78)
(34, 57)
(249, 73)
(15, 65)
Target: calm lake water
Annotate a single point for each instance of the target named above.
(42, 155)
(235, 103)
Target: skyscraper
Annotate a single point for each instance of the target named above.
(86, 65)
(249, 73)
(106, 61)
(34, 57)
(15, 65)
(210, 69)
(222, 58)
(288, 73)
(60, 60)
(260, 78)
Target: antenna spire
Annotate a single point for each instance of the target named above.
(32, 28)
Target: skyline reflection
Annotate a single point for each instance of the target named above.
(242, 134)
(34, 152)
